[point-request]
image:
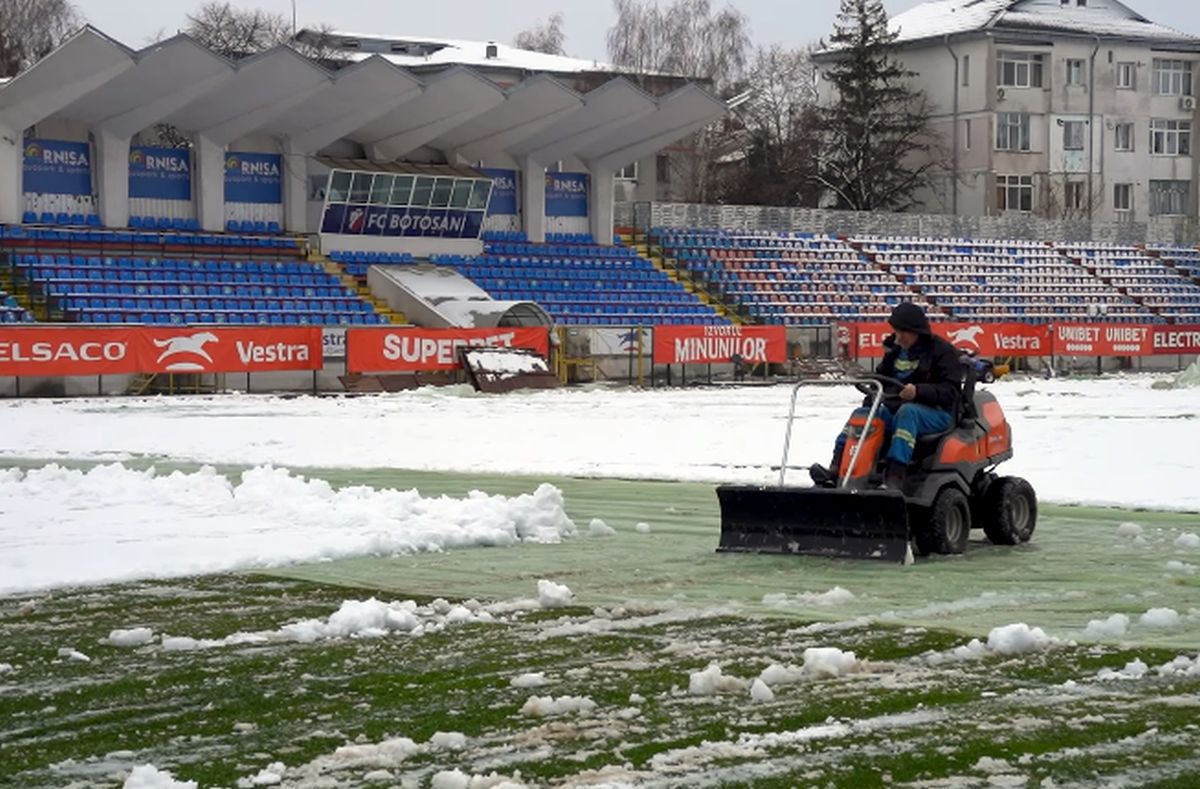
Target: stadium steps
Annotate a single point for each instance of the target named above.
(359, 287)
(35, 304)
(885, 269)
(669, 267)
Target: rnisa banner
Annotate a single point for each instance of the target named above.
(57, 167)
(160, 173)
(253, 177)
(378, 220)
(504, 192)
(567, 194)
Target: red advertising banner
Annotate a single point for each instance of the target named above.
(53, 351)
(411, 349)
(229, 350)
(1094, 339)
(1175, 339)
(718, 344)
(60, 351)
(865, 340)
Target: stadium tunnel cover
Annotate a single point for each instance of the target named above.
(98, 94)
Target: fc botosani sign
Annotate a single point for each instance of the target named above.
(362, 220)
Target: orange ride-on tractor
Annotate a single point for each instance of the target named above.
(950, 488)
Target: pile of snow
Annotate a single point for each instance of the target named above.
(1129, 530)
(147, 776)
(642, 528)
(356, 617)
(1187, 541)
(1112, 627)
(6, 668)
(1181, 567)
(835, 596)
(776, 674)
(1135, 669)
(1182, 666)
(389, 753)
(1188, 379)
(532, 680)
(116, 524)
(552, 595)
(457, 779)
(712, 681)
(133, 637)
(1014, 639)
(829, 662)
(272, 775)
(547, 706)
(598, 528)
(70, 653)
(1018, 639)
(448, 741)
(761, 692)
(1160, 617)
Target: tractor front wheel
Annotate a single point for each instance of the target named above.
(948, 527)
(1009, 511)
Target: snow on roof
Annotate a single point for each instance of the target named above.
(416, 51)
(1107, 18)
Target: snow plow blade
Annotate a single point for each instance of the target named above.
(868, 524)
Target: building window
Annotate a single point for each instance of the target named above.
(1169, 198)
(1012, 131)
(1127, 76)
(966, 71)
(663, 166)
(1123, 136)
(1172, 77)
(1073, 135)
(1170, 138)
(967, 134)
(627, 173)
(1019, 70)
(1073, 196)
(1075, 71)
(1014, 192)
(1123, 197)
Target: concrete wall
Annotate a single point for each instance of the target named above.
(1165, 230)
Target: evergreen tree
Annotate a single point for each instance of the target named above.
(876, 146)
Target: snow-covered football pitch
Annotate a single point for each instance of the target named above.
(443, 589)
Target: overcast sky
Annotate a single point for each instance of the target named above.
(788, 22)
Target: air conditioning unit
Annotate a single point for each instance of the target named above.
(1187, 103)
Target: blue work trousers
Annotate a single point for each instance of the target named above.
(902, 428)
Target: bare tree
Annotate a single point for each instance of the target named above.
(548, 38)
(687, 38)
(31, 29)
(237, 32)
(775, 155)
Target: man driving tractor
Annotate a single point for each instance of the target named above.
(929, 369)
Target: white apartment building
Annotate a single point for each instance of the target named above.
(1067, 109)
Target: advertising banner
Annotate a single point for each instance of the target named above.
(230, 350)
(253, 177)
(160, 173)
(1183, 340)
(53, 351)
(567, 194)
(361, 220)
(504, 191)
(865, 340)
(718, 344)
(57, 167)
(379, 350)
(59, 351)
(1095, 339)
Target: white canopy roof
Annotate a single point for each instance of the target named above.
(96, 80)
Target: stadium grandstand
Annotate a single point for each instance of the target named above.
(299, 178)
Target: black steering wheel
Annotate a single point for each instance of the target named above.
(889, 384)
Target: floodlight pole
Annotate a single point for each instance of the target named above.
(293, 18)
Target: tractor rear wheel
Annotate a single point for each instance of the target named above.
(1009, 511)
(948, 527)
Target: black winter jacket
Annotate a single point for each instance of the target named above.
(938, 376)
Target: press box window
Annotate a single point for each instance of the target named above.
(381, 190)
(480, 193)
(339, 186)
(461, 196)
(360, 188)
(422, 190)
(401, 190)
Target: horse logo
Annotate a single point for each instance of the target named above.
(966, 335)
(186, 344)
